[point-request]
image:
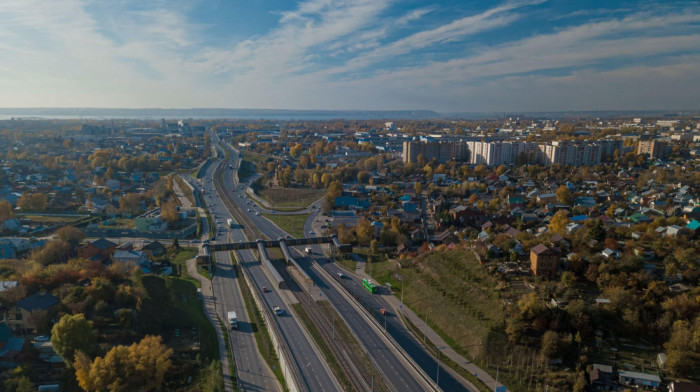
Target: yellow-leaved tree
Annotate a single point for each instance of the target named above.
(139, 367)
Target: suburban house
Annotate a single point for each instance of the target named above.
(19, 317)
(154, 249)
(544, 260)
(639, 379)
(101, 249)
(138, 257)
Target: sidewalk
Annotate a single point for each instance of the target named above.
(436, 339)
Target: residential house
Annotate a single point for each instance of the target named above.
(154, 248)
(639, 379)
(544, 260)
(603, 377)
(19, 317)
(10, 346)
(100, 249)
(8, 284)
(137, 257)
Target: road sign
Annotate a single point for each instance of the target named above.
(502, 388)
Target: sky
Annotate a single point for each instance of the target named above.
(448, 56)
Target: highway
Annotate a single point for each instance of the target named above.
(389, 363)
(314, 371)
(252, 371)
(448, 381)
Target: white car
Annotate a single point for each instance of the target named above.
(278, 311)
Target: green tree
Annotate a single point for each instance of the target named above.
(18, 381)
(73, 333)
(551, 345)
(597, 231)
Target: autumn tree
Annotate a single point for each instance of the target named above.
(139, 367)
(296, 150)
(683, 349)
(558, 222)
(70, 234)
(364, 231)
(33, 202)
(5, 210)
(418, 188)
(363, 177)
(335, 189)
(73, 333)
(169, 211)
(564, 195)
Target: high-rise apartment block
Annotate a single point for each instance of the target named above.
(492, 153)
(655, 148)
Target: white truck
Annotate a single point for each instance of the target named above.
(233, 320)
(229, 222)
(308, 250)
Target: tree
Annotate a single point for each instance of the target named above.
(33, 202)
(564, 195)
(335, 189)
(558, 222)
(418, 187)
(5, 210)
(363, 177)
(325, 179)
(551, 345)
(139, 367)
(597, 231)
(683, 348)
(296, 150)
(169, 211)
(374, 247)
(176, 244)
(364, 231)
(18, 381)
(73, 333)
(70, 234)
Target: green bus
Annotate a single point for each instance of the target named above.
(369, 285)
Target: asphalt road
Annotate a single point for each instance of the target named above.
(316, 375)
(394, 327)
(401, 378)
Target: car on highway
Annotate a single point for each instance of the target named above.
(278, 311)
(383, 311)
(311, 232)
(341, 275)
(264, 289)
(257, 213)
(248, 209)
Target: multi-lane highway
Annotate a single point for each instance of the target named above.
(397, 373)
(315, 374)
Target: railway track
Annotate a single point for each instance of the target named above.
(361, 373)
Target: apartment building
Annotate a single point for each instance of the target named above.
(654, 148)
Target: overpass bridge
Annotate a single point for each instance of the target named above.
(283, 244)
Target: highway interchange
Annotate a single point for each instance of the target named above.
(399, 371)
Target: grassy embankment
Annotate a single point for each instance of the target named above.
(471, 310)
(292, 224)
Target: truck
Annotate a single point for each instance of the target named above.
(308, 250)
(229, 222)
(233, 320)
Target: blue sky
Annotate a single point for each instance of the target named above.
(448, 56)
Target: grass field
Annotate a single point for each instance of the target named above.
(291, 197)
(462, 290)
(51, 220)
(292, 224)
(179, 261)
